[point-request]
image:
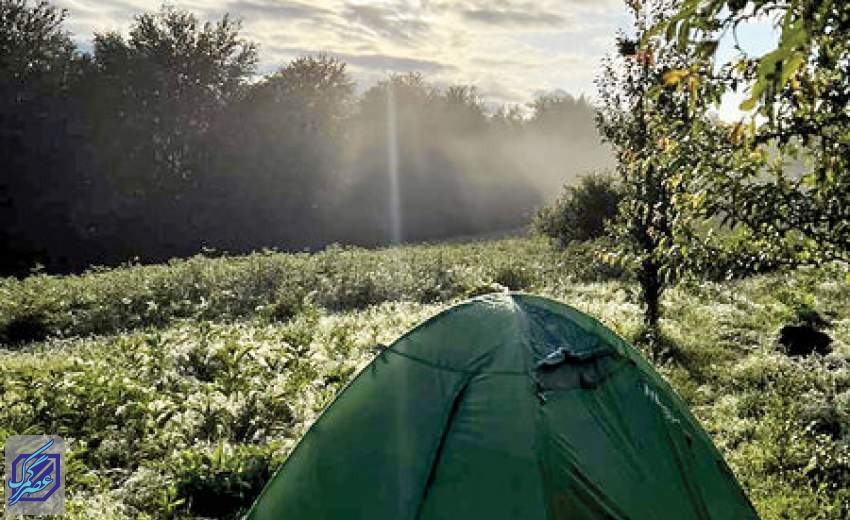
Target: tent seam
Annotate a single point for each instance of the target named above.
(451, 411)
(456, 370)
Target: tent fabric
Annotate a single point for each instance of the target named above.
(507, 406)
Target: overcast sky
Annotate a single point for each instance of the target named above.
(510, 49)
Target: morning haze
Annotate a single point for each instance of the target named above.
(174, 134)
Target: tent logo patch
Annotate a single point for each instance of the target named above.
(35, 475)
(653, 397)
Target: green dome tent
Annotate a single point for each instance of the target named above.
(509, 407)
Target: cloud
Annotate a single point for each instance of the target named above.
(375, 62)
(277, 9)
(509, 48)
(395, 63)
(526, 15)
(388, 22)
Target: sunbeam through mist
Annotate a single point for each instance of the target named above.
(392, 168)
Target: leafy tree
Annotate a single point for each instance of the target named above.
(165, 85)
(284, 140)
(785, 169)
(35, 51)
(318, 86)
(155, 102)
(640, 119)
(464, 106)
(42, 158)
(560, 140)
(560, 113)
(583, 211)
(509, 117)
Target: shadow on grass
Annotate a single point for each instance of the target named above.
(662, 349)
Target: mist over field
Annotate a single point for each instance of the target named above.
(452, 168)
(164, 141)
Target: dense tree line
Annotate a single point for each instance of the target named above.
(165, 141)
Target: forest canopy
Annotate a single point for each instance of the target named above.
(164, 140)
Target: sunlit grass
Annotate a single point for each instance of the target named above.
(181, 387)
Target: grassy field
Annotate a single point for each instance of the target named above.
(180, 387)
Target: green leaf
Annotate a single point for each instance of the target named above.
(790, 67)
(654, 92)
(794, 34)
(748, 104)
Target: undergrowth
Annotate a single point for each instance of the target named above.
(180, 388)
